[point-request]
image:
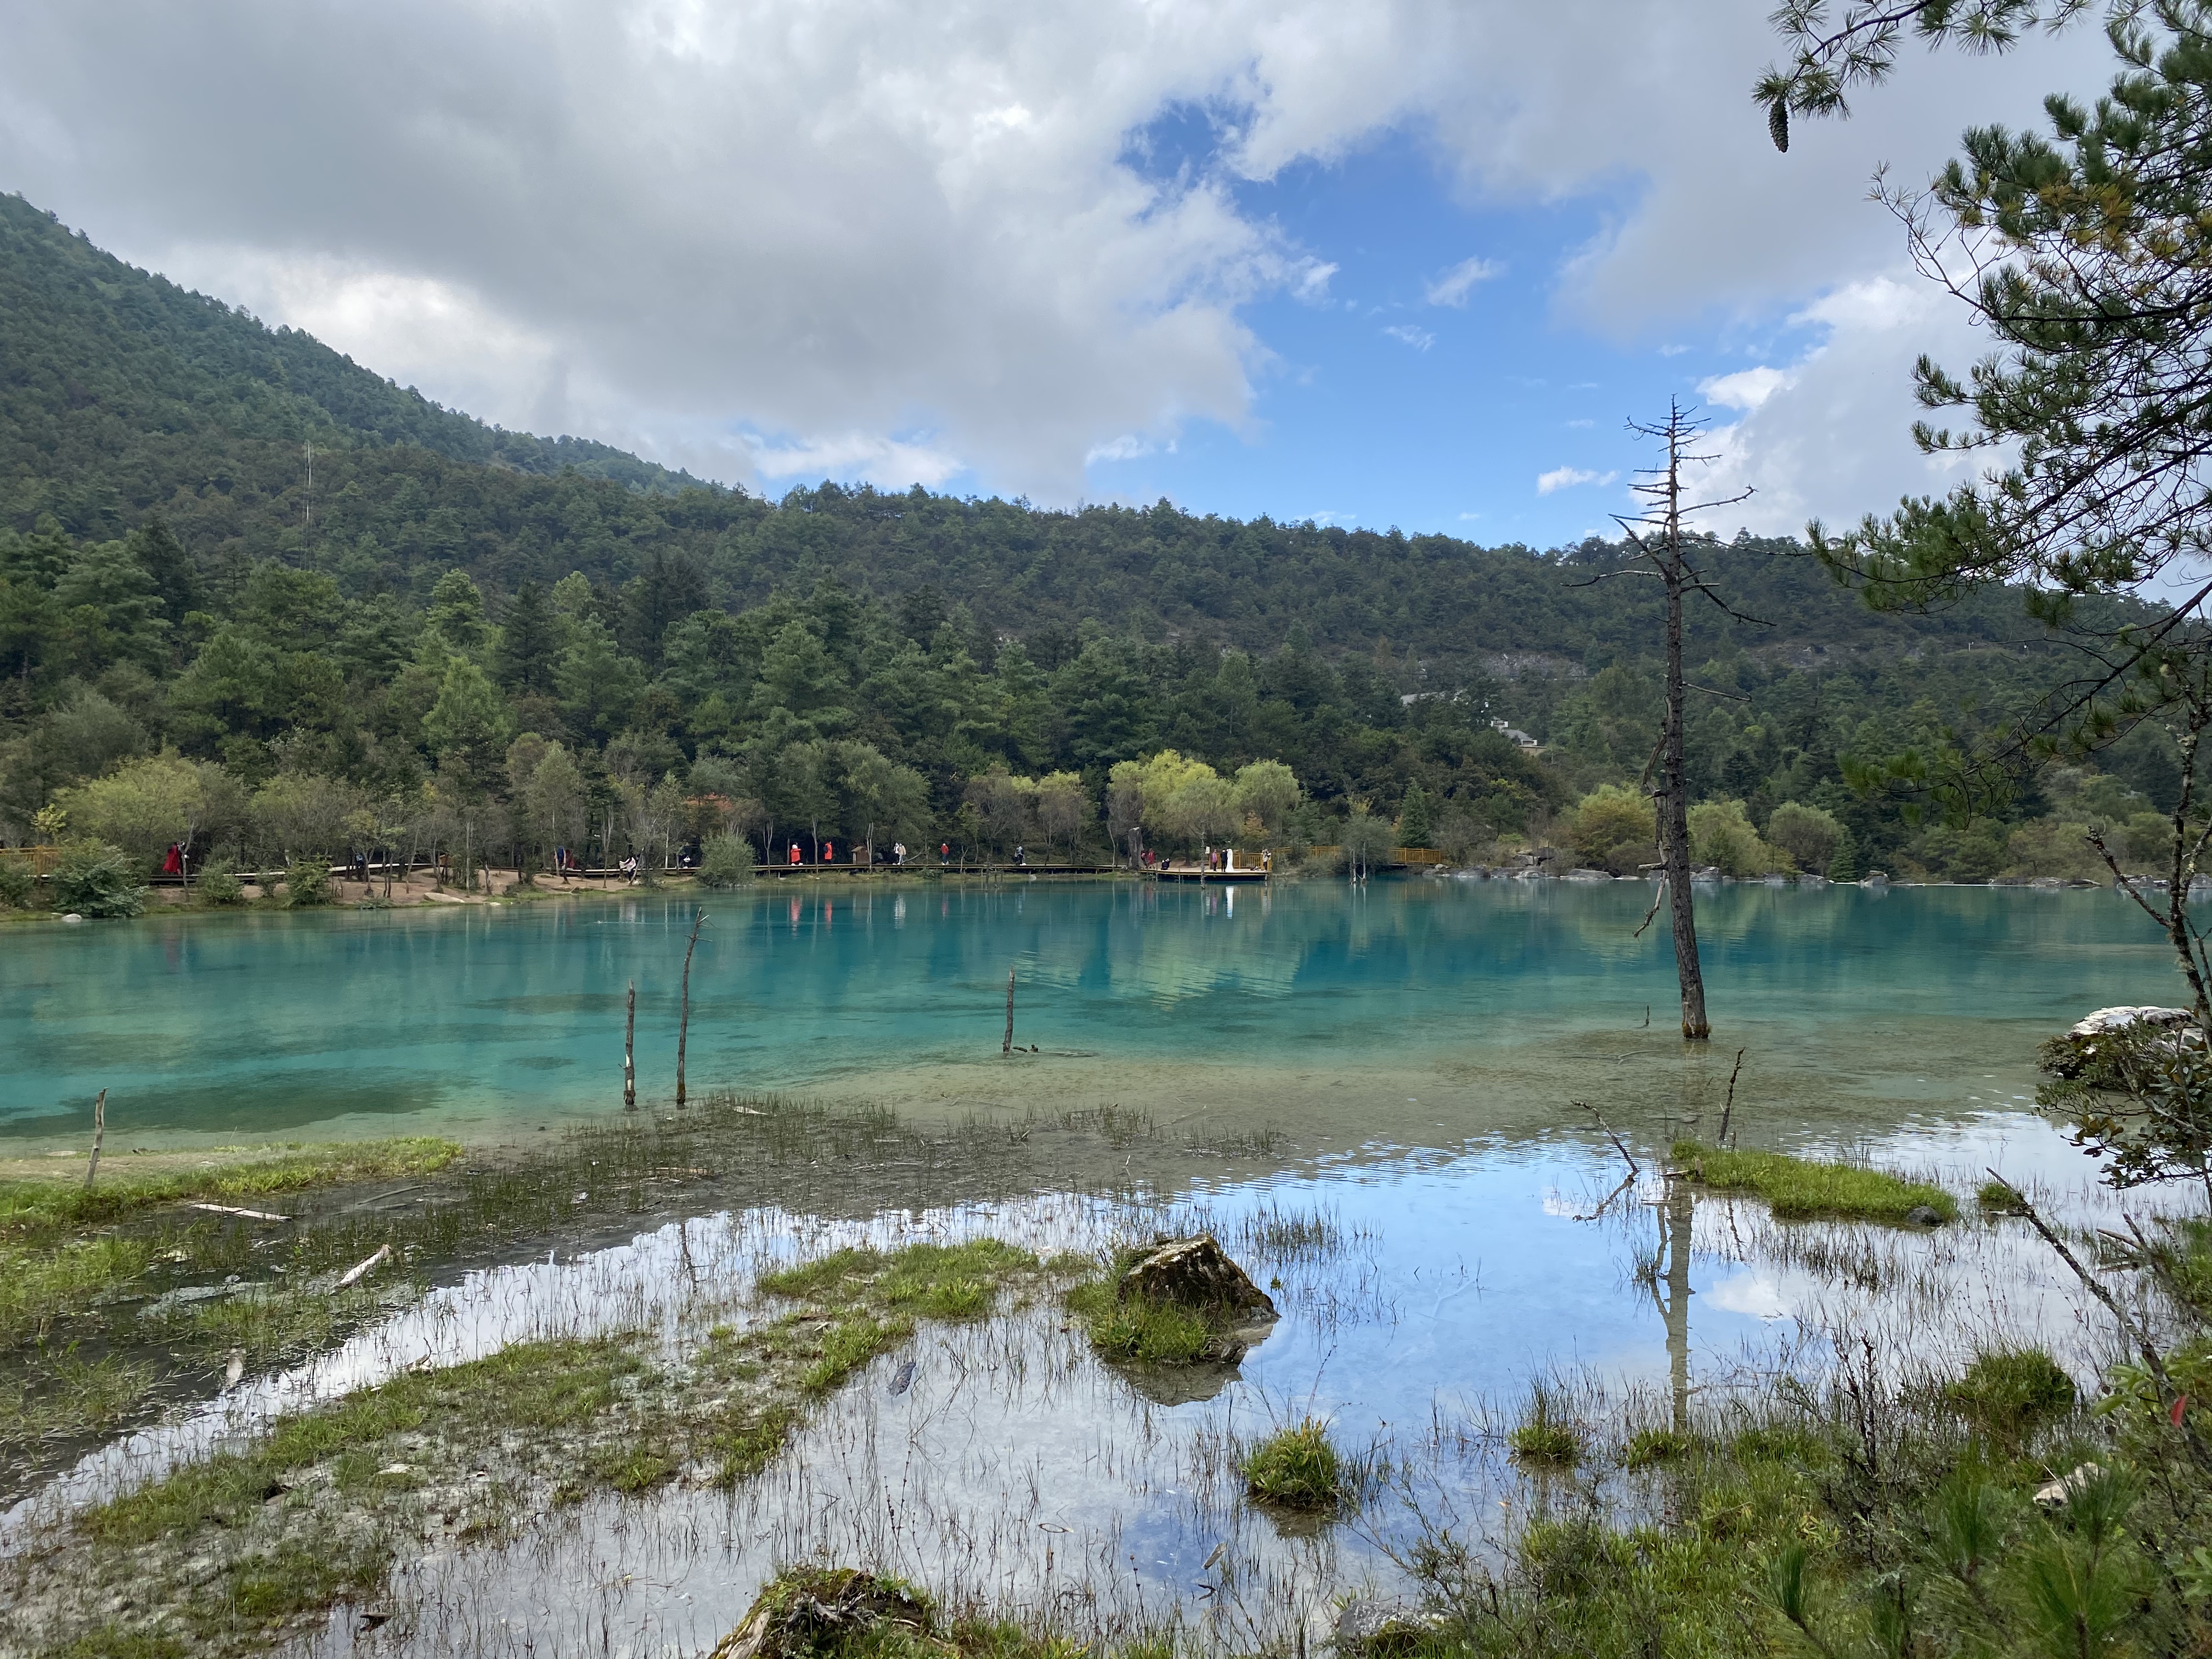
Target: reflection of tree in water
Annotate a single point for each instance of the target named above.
(1674, 1267)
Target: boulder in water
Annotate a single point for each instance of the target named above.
(1195, 1272)
(2091, 1049)
(1374, 1629)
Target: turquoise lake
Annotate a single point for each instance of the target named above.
(1411, 1012)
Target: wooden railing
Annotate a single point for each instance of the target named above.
(42, 859)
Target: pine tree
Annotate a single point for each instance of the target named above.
(1413, 825)
(176, 578)
(529, 645)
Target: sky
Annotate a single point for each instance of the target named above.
(1394, 263)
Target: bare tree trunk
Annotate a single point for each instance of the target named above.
(1007, 1047)
(629, 1052)
(683, 1014)
(1674, 812)
(99, 1134)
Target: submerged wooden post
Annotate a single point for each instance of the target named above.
(1007, 1047)
(684, 1016)
(98, 1133)
(630, 1045)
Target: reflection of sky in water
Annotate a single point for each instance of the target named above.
(1459, 1280)
(1489, 1002)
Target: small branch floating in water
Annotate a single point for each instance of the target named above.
(355, 1274)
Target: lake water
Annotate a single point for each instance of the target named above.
(1418, 1046)
(1416, 1012)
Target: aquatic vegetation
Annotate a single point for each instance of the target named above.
(1298, 1468)
(1548, 1431)
(2009, 1392)
(1153, 1332)
(1803, 1187)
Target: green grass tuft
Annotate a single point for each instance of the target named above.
(1798, 1188)
(1650, 1446)
(1297, 1467)
(2007, 1393)
(1153, 1332)
(1547, 1432)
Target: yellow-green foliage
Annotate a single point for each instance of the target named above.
(1298, 1468)
(1614, 820)
(1803, 1187)
(1721, 835)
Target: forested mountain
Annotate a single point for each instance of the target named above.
(231, 542)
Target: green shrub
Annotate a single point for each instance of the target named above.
(217, 882)
(2009, 1392)
(1296, 1467)
(18, 885)
(725, 861)
(95, 879)
(307, 882)
(1796, 1187)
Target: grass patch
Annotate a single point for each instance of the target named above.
(1547, 1431)
(1649, 1447)
(939, 1281)
(1799, 1187)
(35, 1205)
(1153, 1332)
(2008, 1393)
(1297, 1467)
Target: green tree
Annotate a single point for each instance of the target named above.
(529, 645)
(1612, 829)
(468, 719)
(1413, 817)
(457, 612)
(176, 579)
(1267, 790)
(1807, 833)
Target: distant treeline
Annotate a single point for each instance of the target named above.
(232, 542)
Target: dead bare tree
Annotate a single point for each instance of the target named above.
(1663, 549)
(683, 1018)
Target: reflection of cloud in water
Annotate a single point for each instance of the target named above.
(1755, 1294)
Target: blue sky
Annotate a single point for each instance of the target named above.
(1108, 252)
(1383, 405)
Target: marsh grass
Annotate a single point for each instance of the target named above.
(1298, 1468)
(75, 1269)
(2008, 1393)
(1548, 1431)
(1796, 1187)
(318, 1506)
(1149, 1333)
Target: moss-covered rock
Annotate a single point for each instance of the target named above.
(830, 1613)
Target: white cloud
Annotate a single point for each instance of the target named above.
(1568, 477)
(860, 455)
(1452, 287)
(671, 224)
(1747, 389)
(1829, 436)
(1420, 338)
(1311, 282)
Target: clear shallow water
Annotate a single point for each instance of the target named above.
(1017, 1470)
(1413, 1012)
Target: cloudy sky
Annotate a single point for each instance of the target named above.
(1383, 263)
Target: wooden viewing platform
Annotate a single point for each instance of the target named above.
(1199, 872)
